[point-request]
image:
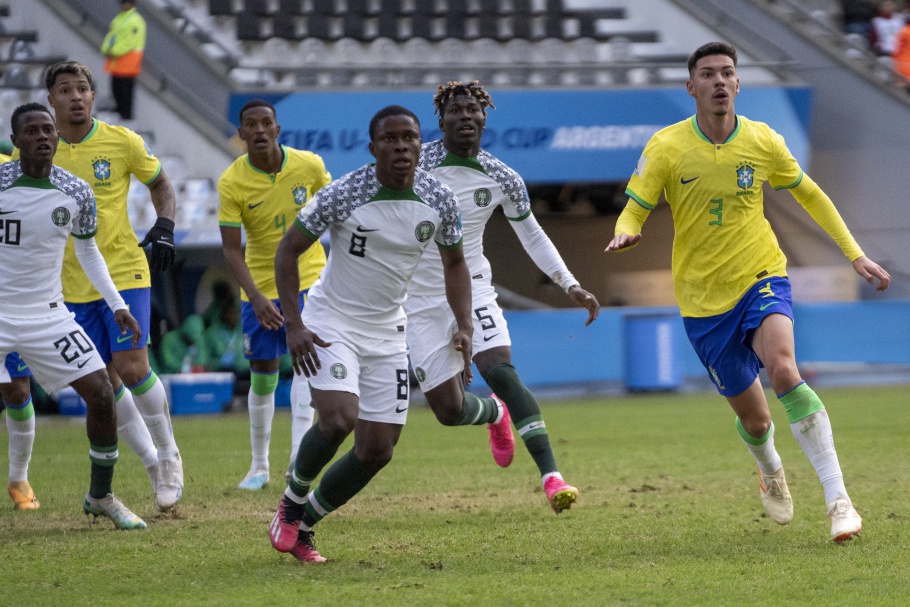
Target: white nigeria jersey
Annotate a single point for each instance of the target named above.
(37, 217)
(378, 237)
(480, 184)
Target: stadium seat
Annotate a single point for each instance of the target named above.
(249, 27)
(257, 7)
(291, 7)
(221, 8)
(287, 27)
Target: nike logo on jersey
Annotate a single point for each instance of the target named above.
(252, 206)
(6, 212)
(363, 229)
(489, 337)
(763, 306)
(685, 181)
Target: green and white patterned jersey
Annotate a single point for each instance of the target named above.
(480, 184)
(37, 217)
(378, 237)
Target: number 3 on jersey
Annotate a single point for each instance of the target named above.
(717, 209)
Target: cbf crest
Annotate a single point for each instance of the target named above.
(424, 230)
(101, 167)
(482, 197)
(745, 176)
(299, 195)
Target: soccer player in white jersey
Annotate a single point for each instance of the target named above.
(482, 183)
(20, 426)
(106, 157)
(730, 274)
(350, 339)
(40, 206)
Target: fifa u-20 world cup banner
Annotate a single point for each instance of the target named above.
(548, 136)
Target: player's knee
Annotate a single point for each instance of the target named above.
(335, 428)
(133, 374)
(16, 392)
(756, 425)
(783, 375)
(376, 457)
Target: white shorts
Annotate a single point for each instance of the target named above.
(55, 348)
(431, 328)
(376, 370)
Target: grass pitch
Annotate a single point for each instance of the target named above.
(669, 514)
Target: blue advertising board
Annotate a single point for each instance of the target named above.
(548, 136)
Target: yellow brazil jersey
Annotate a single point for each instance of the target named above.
(265, 206)
(106, 158)
(4, 158)
(722, 244)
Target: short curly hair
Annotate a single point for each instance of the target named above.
(444, 94)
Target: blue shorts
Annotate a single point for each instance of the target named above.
(16, 366)
(724, 342)
(97, 319)
(260, 343)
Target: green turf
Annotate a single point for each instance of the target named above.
(669, 515)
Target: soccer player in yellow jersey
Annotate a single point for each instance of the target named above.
(730, 274)
(262, 191)
(105, 156)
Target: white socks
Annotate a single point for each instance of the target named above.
(262, 410)
(21, 439)
(814, 435)
(132, 429)
(153, 406)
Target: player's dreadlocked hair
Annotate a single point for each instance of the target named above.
(473, 89)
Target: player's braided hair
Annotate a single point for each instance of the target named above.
(444, 94)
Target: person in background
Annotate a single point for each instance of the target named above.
(123, 47)
(901, 56)
(180, 350)
(884, 28)
(261, 192)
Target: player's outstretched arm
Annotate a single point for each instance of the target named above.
(301, 341)
(585, 300)
(870, 270)
(458, 294)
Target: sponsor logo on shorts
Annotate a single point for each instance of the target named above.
(83, 363)
(489, 337)
(421, 374)
(763, 306)
(252, 206)
(482, 197)
(424, 231)
(60, 217)
(123, 338)
(338, 371)
(400, 409)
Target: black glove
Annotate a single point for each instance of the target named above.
(161, 237)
